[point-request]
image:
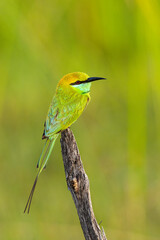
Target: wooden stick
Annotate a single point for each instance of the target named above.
(78, 184)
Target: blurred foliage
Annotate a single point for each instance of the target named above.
(119, 133)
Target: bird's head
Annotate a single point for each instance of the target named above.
(78, 81)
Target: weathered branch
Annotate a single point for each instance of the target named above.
(78, 184)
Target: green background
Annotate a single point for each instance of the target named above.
(119, 133)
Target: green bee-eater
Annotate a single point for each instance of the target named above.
(71, 98)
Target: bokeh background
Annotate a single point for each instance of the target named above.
(119, 133)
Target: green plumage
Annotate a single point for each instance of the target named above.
(71, 98)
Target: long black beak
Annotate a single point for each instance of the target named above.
(92, 79)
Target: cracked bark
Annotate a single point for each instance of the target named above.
(78, 184)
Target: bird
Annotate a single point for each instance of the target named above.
(71, 98)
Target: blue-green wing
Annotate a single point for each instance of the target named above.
(62, 114)
(56, 118)
(52, 124)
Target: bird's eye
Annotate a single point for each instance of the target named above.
(78, 82)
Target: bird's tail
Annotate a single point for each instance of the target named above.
(47, 149)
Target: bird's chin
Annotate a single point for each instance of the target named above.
(82, 88)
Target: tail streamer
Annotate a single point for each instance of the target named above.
(47, 149)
